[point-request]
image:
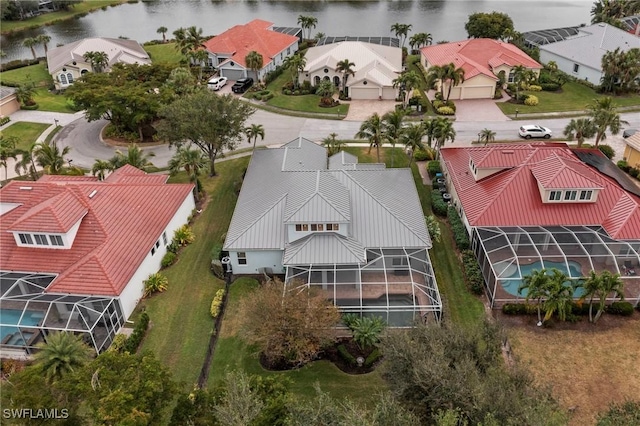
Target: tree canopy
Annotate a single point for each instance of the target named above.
(494, 25)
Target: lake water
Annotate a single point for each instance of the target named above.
(444, 19)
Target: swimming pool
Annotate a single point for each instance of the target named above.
(9, 319)
(511, 285)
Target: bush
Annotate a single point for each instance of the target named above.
(156, 283)
(216, 303)
(433, 167)
(607, 150)
(346, 355)
(29, 107)
(634, 172)
(437, 104)
(272, 75)
(622, 164)
(173, 247)
(475, 280)
(168, 259)
(133, 342)
(421, 155)
(620, 308)
(534, 88)
(531, 100)
(119, 343)
(183, 236)
(13, 65)
(457, 227)
(438, 205)
(4, 120)
(550, 87)
(515, 309)
(350, 319)
(445, 110)
(372, 358)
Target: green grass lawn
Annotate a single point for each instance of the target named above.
(574, 97)
(48, 101)
(50, 18)
(25, 132)
(164, 53)
(303, 103)
(37, 74)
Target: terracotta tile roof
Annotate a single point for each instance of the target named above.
(55, 215)
(492, 201)
(123, 221)
(478, 56)
(239, 40)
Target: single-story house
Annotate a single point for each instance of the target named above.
(355, 231)
(8, 101)
(66, 63)
(74, 252)
(375, 68)
(228, 50)
(581, 55)
(482, 60)
(632, 150)
(576, 212)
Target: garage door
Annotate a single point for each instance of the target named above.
(364, 92)
(388, 93)
(232, 75)
(479, 92)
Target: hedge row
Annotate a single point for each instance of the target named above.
(438, 205)
(4, 120)
(433, 167)
(475, 281)
(616, 308)
(457, 227)
(133, 342)
(216, 303)
(13, 65)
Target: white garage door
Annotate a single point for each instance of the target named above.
(479, 92)
(388, 93)
(364, 93)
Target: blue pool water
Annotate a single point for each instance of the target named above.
(511, 285)
(10, 317)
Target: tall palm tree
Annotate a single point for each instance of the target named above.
(401, 31)
(163, 31)
(559, 295)
(605, 117)
(333, 144)
(307, 23)
(27, 162)
(193, 161)
(372, 130)
(406, 82)
(443, 132)
(30, 43)
(392, 122)
(25, 93)
(430, 129)
(44, 40)
(180, 36)
(100, 168)
(419, 40)
(486, 136)
(536, 284)
(134, 156)
(411, 137)
(255, 62)
(50, 157)
(7, 150)
(62, 353)
(199, 58)
(600, 286)
(253, 132)
(295, 64)
(453, 77)
(98, 60)
(345, 67)
(580, 129)
(521, 75)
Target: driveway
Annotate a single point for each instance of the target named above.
(479, 110)
(360, 110)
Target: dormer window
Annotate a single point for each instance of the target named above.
(586, 195)
(570, 195)
(555, 195)
(302, 227)
(41, 239)
(25, 239)
(56, 240)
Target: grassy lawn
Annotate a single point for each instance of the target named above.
(51, 18)
(25, 132)
(305, 103)
(37, 74)
(164, 53)
(574, 97)
(48, 101)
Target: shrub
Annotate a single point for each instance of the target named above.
(420, 155)
(475, 280)
(457, 227)
(438, 205)
(346, 355)
(118, 344)
(437, 104)
(550, 87)
(372, 358)
(534, 88)
(272, 75)
(133, 342)
(622, 164)
(518, 309)
(168, 259)
(267, 97)
(607, 150)
(620, 308)
(4, 120)
(184, 236)
(350, 319)
(531, 100)
(216, 251)
(216, 303)
(433, 167)
(634, 172)
(173, 247)
(511, 88)
(29, 107)
(12, 65)
(445, 110)
(155, 283)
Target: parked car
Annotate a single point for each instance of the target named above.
(242, 85)
(629, 132)
(529, 131)
(217, 83)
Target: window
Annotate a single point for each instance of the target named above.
(288, 50)
(242, 258)
(316, 80)
(63, 79)
(576, 67)
(41, 240)
(586, 195)
(314, 227)
(164, 237)
(570, 195)
(554, 195)
(299, 227)
(153, 250)
(70, 77)
(25, 238)
(302, 227)
(305, 227)
(56, 240)
(320, 227)
(326, 70)
(511, 77)
(158, 244)
(333, 227)
(365, 82)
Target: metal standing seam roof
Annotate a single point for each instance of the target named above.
(328, 203)
(557, 173)
(324, 249)
(383, 41)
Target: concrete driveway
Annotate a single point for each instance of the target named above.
(479, 110)
(360, 110)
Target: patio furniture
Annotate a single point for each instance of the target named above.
(628, 268)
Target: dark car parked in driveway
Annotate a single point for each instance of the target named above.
(242, 85)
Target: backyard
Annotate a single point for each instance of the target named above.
(165, 53)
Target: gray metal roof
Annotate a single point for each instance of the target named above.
(342, 160)
(384, 41)
(324, 249)
(541, 37)
(591, 43)
(293, 183)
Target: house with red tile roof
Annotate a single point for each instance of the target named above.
(483, 60)
(228, 50)
(74, 252)
(533, 206)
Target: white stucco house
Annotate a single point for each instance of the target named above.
(581, 55)
(67, 64)
(375, 68)
(75, 252)
(355, 231)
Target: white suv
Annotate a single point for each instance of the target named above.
(217, 83)
(532, 131)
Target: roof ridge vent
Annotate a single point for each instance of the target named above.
(93, 193)
(26, 188)
(508, 151)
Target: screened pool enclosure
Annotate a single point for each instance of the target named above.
(507, 254)
(28, 314)
(396, 284)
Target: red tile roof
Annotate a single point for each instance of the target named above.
(512, 198)
(58, 214)
(123, 221)
(239, 40)
(478, 56)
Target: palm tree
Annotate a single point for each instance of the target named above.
(253, 131)
(580, 129)
(412, 137)
(199, 58)
(325, 89)
(605, 116)
(443, 132)
(255, 62)
(320, 35)
(419, 40)
(307, 23)
(30, 43)
(332, 144)
(372, 130)
(98, 60)
(193, 161)
(592, 286)
(430, 129)
(44, 40)
(437, 74)
(7, 150)
(163, 31)
(392, 122)
(406, 82)
(601, 286)
(50, 157)
(536, 285)
(453, 76)
(559, 295)
(401, 31)
(100, 167)
(27, 162)
(346, 68)
(180, 36)
(25, 93)
(486, 136)
(135, 157)
(521, 75)
(295, 64)
(193, 37)
(62, 353)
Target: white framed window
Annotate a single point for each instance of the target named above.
(576, 67)
(153, 250)
(70, 77)
(56, 240)
(298, 227)
(164, 238)
(242, 258)
(570, 195)
(41, 240)
(333, 227)
(158, 244)
(63, 79)
(554, 195)
(25, 238)
(302, 227)
(586, 195)
(511, 77)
